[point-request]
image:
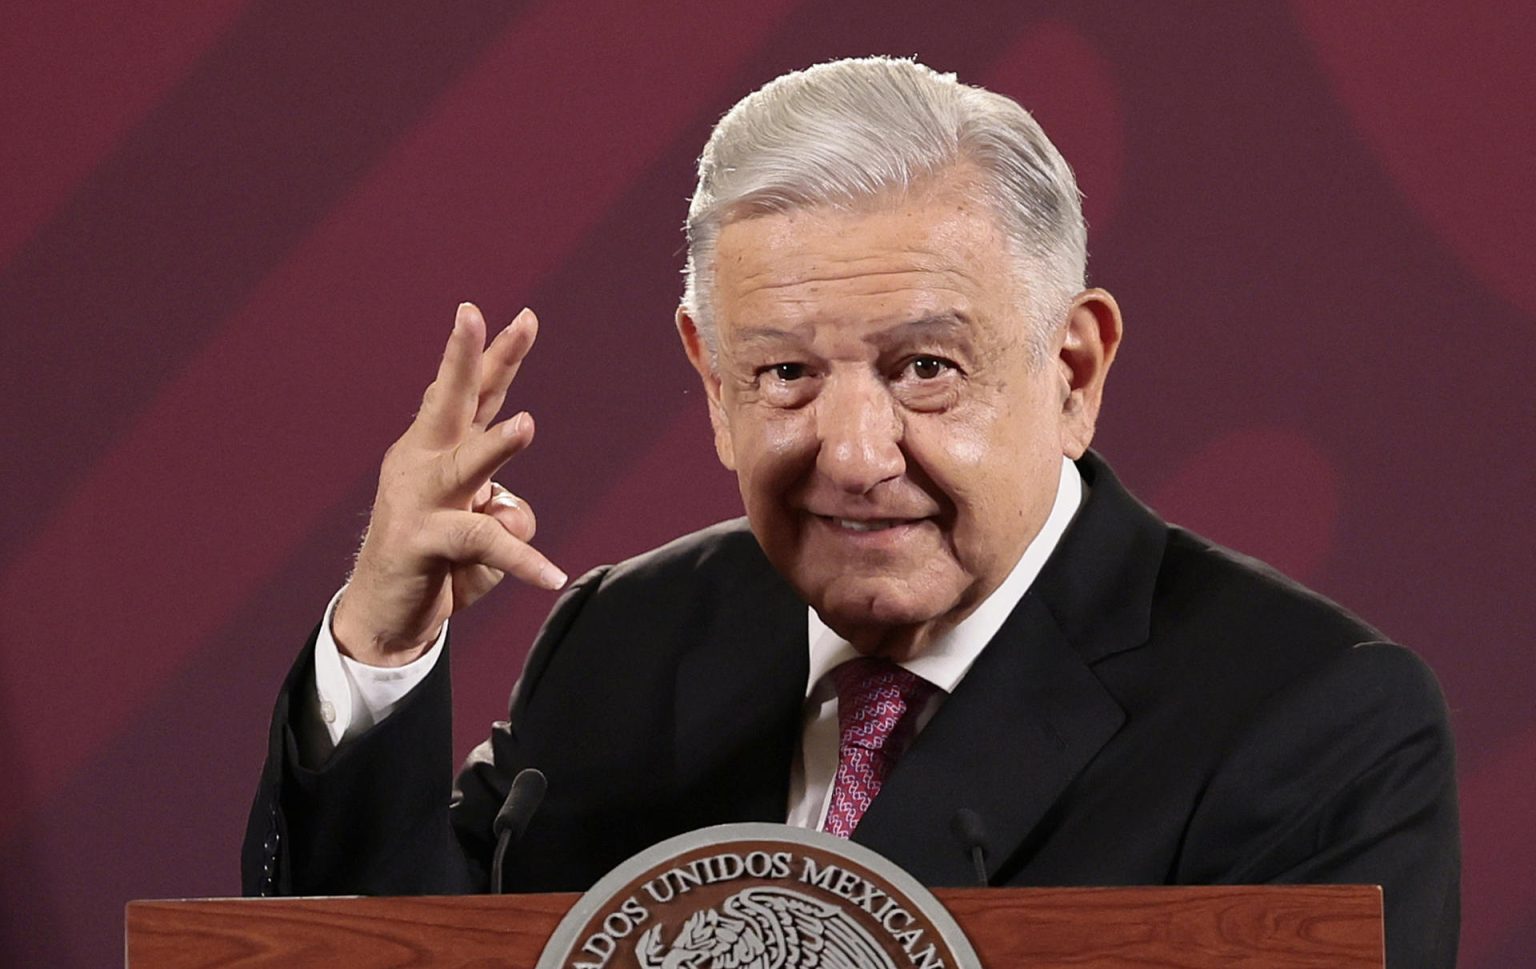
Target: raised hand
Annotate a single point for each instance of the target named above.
(442, 533)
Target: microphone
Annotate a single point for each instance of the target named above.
(969, 830)
(523, 799)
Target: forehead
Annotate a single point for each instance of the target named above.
(933, 253)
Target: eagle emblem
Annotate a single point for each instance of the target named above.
(765, 928)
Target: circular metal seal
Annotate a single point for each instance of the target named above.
(757, 896)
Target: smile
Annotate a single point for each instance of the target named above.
(887, 528)
(868, 526)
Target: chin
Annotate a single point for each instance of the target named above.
(850, 606)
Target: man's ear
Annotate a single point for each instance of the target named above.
(1089, 341)
(703, 362)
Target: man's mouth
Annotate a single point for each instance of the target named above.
(868, 525)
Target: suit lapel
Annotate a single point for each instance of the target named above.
(1020, 726)
(738, 701)
(1031, 713)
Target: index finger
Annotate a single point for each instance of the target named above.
(449, 403)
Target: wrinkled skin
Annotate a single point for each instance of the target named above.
(896, 435)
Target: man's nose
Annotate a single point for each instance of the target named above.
(860, 434)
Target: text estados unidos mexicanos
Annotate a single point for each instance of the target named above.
(631, 914)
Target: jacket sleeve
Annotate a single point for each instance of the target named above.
(1358, 769)
(373, 819)
(382, 816)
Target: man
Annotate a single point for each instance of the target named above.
(885, 304)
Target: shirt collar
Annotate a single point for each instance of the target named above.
(947, 658)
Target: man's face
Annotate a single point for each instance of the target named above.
(896, 442)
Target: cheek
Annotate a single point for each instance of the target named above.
(958, 454)
(784, 436)
(967, 448)
(773, 451)
(997, 470)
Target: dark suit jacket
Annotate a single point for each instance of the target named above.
(1156, 710)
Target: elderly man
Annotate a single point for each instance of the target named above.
(885, 305)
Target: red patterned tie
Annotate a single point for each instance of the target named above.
(877, 707)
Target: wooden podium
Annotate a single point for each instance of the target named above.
(1269, 927)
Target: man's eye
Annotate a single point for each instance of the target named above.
(787, 372)
(928, 368)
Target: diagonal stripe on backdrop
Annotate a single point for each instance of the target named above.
(194, 208)
(74, 78)
(1499, 846)
(189, 507)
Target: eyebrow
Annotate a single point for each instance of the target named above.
(950, 323)
(946, 324)
(766, 334)
(948, 328)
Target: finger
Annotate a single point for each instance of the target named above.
(492, 489)
(471, 465)
(501, 362)
(470, 583)
(466, 538)
(514, 514)
(450, 401)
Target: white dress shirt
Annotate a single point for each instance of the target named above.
(351, 697)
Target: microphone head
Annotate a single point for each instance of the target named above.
(523, 799)
(969, 830)
(968, 827)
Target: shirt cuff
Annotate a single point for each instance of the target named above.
(350, 696)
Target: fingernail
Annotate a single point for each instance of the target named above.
(504, 501)
(552, 577)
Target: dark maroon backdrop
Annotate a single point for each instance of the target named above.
(232, 235)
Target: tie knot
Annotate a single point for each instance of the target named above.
(873, 696)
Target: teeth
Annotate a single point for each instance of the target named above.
(869, 526)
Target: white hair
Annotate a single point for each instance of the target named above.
(853, 131)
